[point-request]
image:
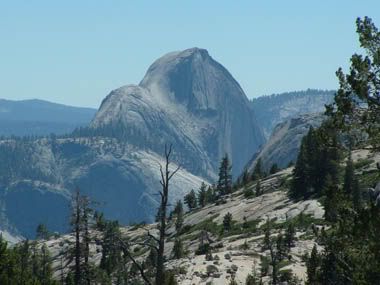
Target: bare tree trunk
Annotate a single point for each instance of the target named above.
(166, 176)
(86, 237)
(159, 247)
(77, 229)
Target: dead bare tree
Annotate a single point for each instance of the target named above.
(166, 176)
(157, 243)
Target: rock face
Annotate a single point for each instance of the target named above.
(283, 145)
(274, 109)
(190, 100)
(186, 98)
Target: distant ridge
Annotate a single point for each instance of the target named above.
(271, 110)
(39, 117)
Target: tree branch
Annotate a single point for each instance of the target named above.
(174, 172)
(135, 262)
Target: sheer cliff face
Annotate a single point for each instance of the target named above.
(192, 101)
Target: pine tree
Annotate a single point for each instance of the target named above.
(360, 88)
(42, 232)
(267, 232)
(202, 195)
(274, 168)
(332, 193)
(76, 222)
(178, 211)
(248, 192)
(100, 222)
(329, 269)
(87, 213)
(225, 178)
(258, 190)
(356, 195)
(178, 251)
(318, 157)
(258, 171)
(351, 186)
(210, 195)
(45, 266)
(280, 247)
(312, 266)
(191, 200)
(245, 177)
(349, 177)
(227, 222)
(289, 236)
(80, 223)
(300, 177)
(111, 250)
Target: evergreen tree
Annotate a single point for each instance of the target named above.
(248, 192)
(202, 195)
(349, 177)
(274, 168)
(80, 252)
(225, 178)
(178, 251)
(178, 211)
(191, 200)
(331, 191)
(258, 190)
(245, 177)
(312, 266)
(258, 171)
(329, 270)
(25, 263)
(289, 236)
(227, 222)
(351, 186)
(100, 222)
(87, 213)
(318, 157)
(356, 195)
(76, 222)
(252, 279)
(280, 247)
(210, 195)
(45, 267)
(359, 91)
(351, 254)
(42, 232)
(111, 250)
(300, 179)
(267, 232)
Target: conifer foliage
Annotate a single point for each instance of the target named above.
(225, 178)
(351, 252)
(317, 158)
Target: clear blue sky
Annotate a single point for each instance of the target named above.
(75, 52)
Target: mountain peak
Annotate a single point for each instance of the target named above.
(191, 99)
(194, 51)
(194, 79)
